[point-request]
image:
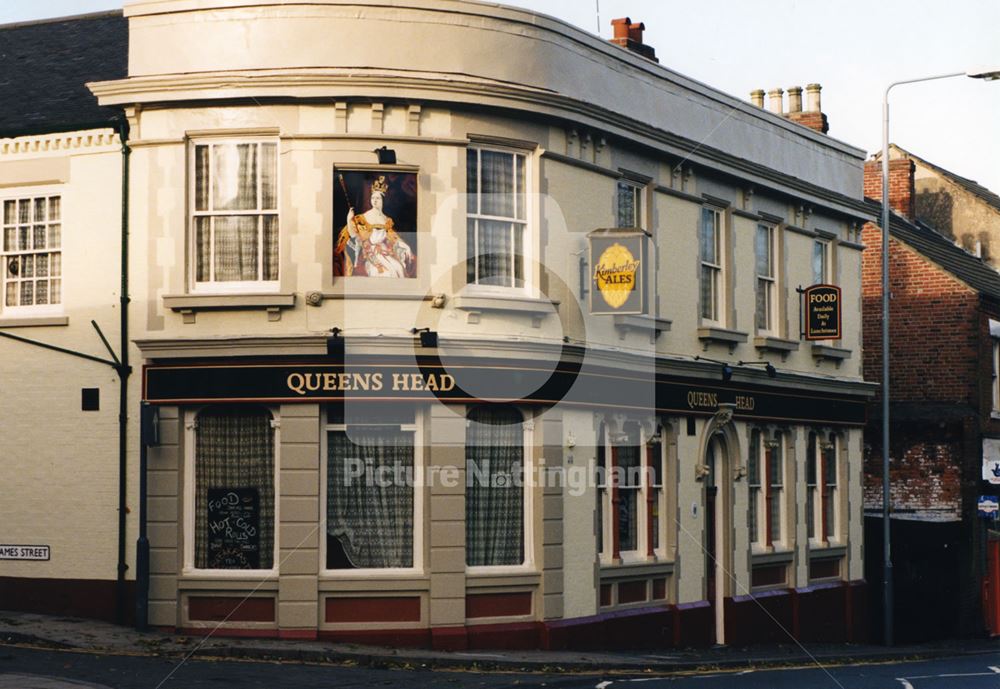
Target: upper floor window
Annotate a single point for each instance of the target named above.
(766, 312)
(32, 242)
(628, 204)
(821, 262)
(712, 264)
(497, 218)
(235, 215)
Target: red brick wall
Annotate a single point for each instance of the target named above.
(926, 481)
(901, 193)
(934, 327)
(811, 119)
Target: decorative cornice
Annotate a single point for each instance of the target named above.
(449, 89)
(62, 142)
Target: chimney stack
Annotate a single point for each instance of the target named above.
(901, 186)
(811, 117)
(628, 35)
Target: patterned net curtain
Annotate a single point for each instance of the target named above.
(234, 449)
(494, 498)
(371, 514)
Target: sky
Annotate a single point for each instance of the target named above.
(853, 48)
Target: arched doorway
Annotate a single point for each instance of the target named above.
(717, 530)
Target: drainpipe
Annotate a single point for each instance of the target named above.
(124, 372)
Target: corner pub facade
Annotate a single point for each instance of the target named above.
(399, 396)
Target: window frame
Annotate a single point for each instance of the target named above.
(30, 194)
(824, 450)
(528, 441)
(644, 493)
(771, 282)
(719, 302)
(213, 286)
(419, 494)
(768, 493)
(637, 190)
(825, 247)
(190, 417)
(528, 224)
(995, 381)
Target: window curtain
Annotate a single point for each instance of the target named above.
(371, 514)
(753, 483)
(234, 448)
(494, 498)
(236, 247)
(628, 490)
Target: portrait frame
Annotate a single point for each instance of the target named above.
(381, 242)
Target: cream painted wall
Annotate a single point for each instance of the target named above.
(58, 464)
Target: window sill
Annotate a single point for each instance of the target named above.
(515, 577)
(776, 557)
(189, 304)
(826, 352)
(715, 335)
(648, 324)
(34, 321)
(513, 304)
(818, 551)
(635, 569)
(770, 343)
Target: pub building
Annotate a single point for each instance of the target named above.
(443, 350)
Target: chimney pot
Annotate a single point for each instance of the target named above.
(774, 100)
(812, 98)
(621, 27)
(794, 99)
(635, 31)
(757, 97)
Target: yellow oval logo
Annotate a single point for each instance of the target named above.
(614, 275)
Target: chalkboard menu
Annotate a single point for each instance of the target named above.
(233, 528)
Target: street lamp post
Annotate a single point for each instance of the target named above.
(988, 75)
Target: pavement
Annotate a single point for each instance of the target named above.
(90, 636)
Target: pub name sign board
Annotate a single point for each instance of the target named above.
(823, 313)
(617, 272)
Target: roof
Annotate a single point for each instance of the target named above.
(45, 66)
(970, 185)
(930, 243)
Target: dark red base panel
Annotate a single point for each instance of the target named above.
(832, 612)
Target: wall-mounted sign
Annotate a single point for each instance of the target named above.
(24, 552)
(233, 528)
(989, 505)
(822, 312)
(374, 224)
(405, 380)
(617, 272)
(991, 460)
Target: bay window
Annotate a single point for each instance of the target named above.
(496, 219)
(235, 215)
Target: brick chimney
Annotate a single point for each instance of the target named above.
(901, 191)
(629, 35)
(811, 117)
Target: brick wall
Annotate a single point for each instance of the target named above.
(926, 472)
(901, 194)
(934, 327)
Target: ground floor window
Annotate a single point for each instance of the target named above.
(821, 487)
(494, 497)
(234, 489)
(370, 489)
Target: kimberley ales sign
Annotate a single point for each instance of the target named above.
(617, 278)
